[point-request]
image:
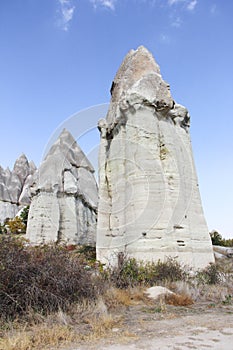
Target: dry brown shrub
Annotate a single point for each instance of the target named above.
(41, 279)
(178, 300)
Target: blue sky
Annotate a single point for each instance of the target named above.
(60, 56)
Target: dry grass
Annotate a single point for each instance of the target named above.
(38, 337)
(43, 336)
(115, 297)
(214, 293)
(87, 321)
(100, 327)
(138, 296)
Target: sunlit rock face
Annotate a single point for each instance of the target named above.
(15, 187)
(64, 204)
(149, 201)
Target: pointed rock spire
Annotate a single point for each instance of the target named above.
(68, 147)
(21, 168)
(14, 187)
(65, 204)
(138, 79)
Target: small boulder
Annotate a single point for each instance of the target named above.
(157, 292)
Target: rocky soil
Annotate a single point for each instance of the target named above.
(200, 326)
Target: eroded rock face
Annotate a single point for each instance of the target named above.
(149, 205)
(223, 252)
(64, 205)
(14, 187)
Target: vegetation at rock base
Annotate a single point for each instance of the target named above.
(16, 225)
(24, 215)
(129, 272)
(47, 291)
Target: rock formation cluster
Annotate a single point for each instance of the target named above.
(15, 187)
(65, 196)
(149, 206)
(149, 203)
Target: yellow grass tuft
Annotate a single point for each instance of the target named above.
(115, 297)
(39, 337)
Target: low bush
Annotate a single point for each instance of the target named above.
(130, 273)
(16, 225)
(210, 275)
(41, 279)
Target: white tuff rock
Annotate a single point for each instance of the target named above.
(15, 187)
(64, 205)
(149, 204)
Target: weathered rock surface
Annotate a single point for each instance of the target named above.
(223, 252)
(14, 187)
(64, 205)
(149, 204)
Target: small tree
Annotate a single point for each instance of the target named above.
(216, 238)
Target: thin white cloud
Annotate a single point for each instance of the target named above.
(172, 2)
(67, 12)
(164, 38)
(110, 4)
(213, 9)
(176, 22)
(191, 5)
(188, 4)
(177, 10)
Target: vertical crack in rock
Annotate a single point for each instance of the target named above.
(150, 206)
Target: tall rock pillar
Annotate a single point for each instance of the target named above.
(149, 201)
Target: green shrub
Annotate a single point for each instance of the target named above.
(170, 270)
(129, 272)
(210, 275)
(24, 215)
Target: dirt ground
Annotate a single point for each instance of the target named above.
(202, 326)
